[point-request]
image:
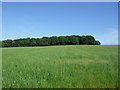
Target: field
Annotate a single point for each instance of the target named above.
(73, 66)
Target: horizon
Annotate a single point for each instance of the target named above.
(53, 36)
(45, 19)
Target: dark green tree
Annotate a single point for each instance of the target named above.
(54, 40)
(97, 43)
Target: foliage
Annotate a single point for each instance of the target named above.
(54, 40)
(0, 43)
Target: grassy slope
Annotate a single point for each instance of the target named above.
(60, 66)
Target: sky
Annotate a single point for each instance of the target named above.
(38, 19)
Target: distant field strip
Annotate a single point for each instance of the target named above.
(72, 66)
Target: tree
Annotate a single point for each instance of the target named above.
(73, 40)
(84, 40)
(0, 44)
(61, 40)
(90, 40)
(97, 43)
(33, 42)
(54, 40)
(8, 43)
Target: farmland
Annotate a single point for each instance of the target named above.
(72, 66)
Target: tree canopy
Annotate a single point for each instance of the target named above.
(48, 41)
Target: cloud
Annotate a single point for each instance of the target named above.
(109, 38)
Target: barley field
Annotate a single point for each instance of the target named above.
(72, 66)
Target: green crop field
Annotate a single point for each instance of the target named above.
(72, 66)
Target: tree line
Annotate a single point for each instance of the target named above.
(48, 41)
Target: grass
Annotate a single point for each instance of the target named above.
(74, 66)
(0, 68)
